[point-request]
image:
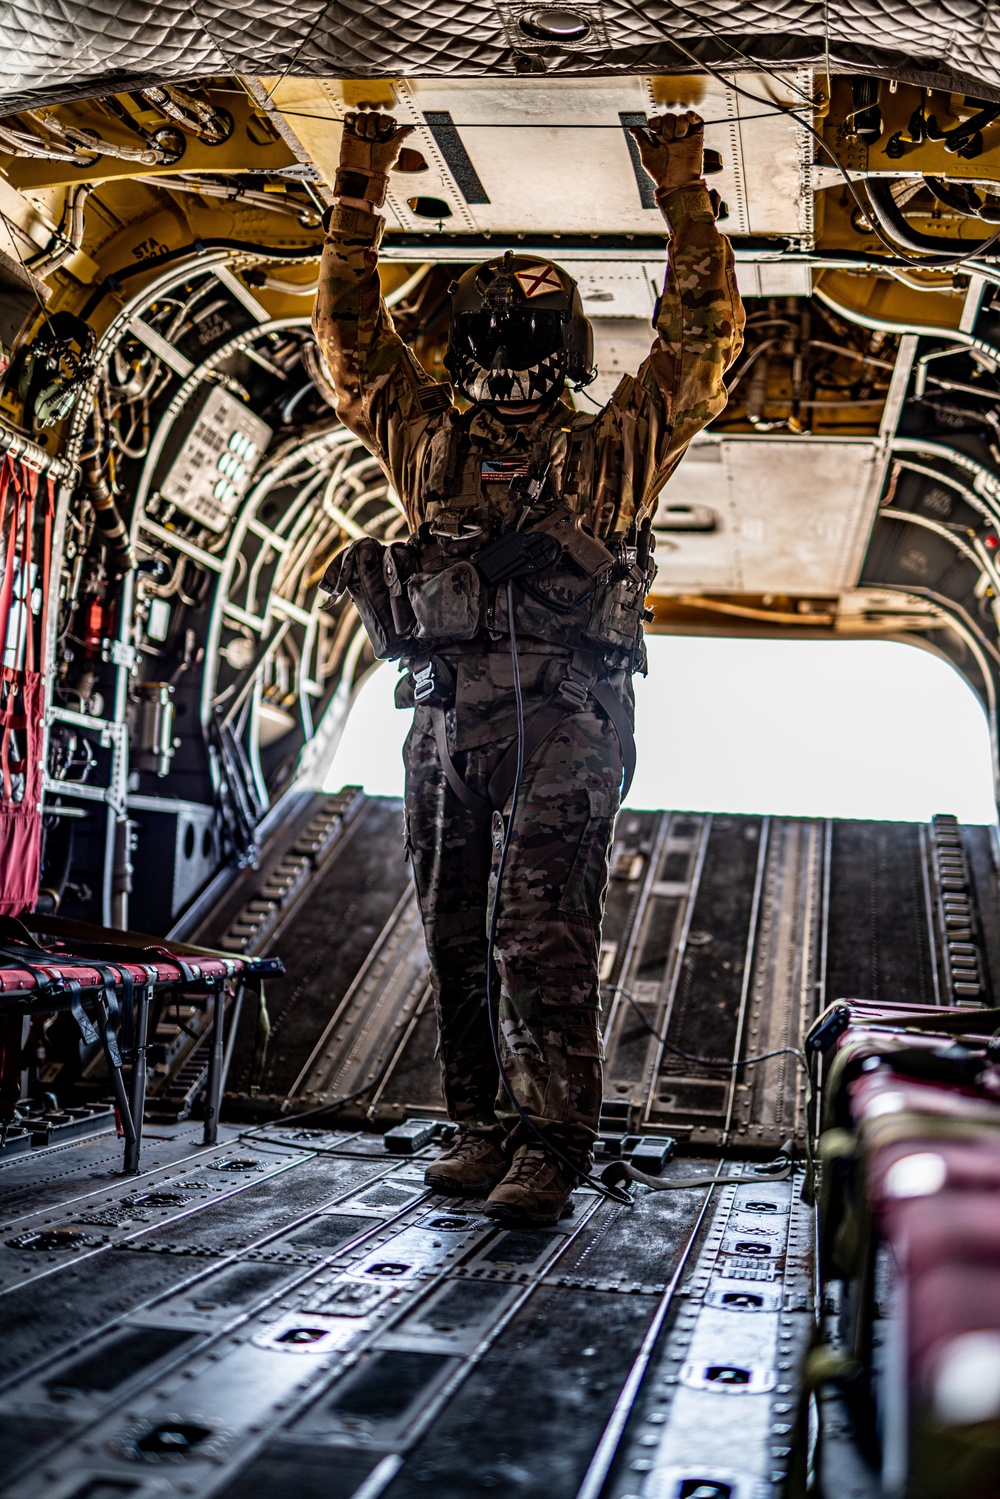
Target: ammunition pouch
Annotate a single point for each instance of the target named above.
(359, 571)
(397, 569)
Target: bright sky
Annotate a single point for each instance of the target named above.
(867, 729)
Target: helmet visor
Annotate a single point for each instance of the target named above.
(516, 340)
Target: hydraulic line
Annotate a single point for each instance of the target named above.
(121, 554)
(191, 252)
(303, 213)
(963, 198)
(212, 126)
(68, 237)
(893, 223)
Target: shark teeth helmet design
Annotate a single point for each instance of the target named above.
(518, 332)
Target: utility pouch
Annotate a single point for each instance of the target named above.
(447, 605)
(618, 612)
(576, 540)
(516, 553)
(398, 566)
(443, 460)
(358, 570)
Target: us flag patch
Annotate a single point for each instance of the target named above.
(503, 470)
(539, 281)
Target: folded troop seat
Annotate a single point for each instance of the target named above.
(110, 987)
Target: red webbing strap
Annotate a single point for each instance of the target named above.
(9, 682)
(50, 511)
(7, 586)
(20, 696)
(30, 495)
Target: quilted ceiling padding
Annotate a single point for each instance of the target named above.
(61, 49)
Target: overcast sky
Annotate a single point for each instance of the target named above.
(794, 728)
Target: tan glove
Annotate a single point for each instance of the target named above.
(672, 149)
(369, 150)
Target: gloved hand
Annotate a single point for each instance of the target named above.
(672, 149)
(369, 150)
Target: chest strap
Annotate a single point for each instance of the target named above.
(570, 696)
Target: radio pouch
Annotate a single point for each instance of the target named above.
(515, 554)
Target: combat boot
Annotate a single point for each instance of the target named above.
(535, 1193)
(469, 1167)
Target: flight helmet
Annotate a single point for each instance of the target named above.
(518, 332)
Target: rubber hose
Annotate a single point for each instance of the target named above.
(894, 224)
(191, 252)
(106, 512)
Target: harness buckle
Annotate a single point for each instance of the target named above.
(451, 525)
(575, 692)
(423, 682)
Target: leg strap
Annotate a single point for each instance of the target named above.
(474, 803)
(569, 697)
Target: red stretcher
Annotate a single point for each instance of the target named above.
(110, 987)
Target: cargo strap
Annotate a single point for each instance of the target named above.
(571, 695)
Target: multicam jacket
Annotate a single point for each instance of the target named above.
(603, 465)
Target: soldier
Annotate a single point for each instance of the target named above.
(525, 578)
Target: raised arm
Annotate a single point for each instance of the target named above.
(383, 395)
(699, 321)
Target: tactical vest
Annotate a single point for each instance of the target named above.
(445, 589)
(446, 592)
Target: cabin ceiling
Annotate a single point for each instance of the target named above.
(53, 51)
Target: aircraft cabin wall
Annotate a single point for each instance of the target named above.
(161, 254)
(263, 1291)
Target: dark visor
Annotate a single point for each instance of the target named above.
(521, 338)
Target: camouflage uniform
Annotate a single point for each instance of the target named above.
(605, 466)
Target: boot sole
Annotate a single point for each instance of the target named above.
(516, 1218)
(449, 1188)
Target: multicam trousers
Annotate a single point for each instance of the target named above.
(548, 927)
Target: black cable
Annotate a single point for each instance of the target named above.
(727, 1066)
(888, 214)
(493, 1015)
(303, 114)
(736, 51)
(333, 1106)
(723, 1062)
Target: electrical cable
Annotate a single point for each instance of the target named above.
(613, 1194)
(192, 251)
(752, 1061)
(304, 114)
(723, 1062)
